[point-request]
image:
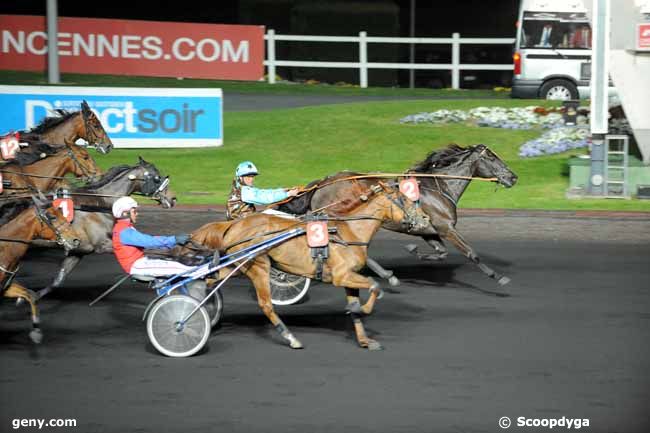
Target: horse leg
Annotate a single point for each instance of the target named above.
(450, 233)
(354, 280)
(67, 266)
(19, 292)
(259, 274)
(440, 252)
(383, 273)
(352, 296)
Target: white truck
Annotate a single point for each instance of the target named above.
(552, 57)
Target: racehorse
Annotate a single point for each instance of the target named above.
(439, 196)
(68, 127)
(45, 174)
(33, 220)
(348, 251)
(93, 220)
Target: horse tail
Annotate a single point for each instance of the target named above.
(299, 205)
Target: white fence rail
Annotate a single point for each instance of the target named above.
(363, 39)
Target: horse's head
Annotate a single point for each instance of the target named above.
(147, 180)
(83, 165)
(487, 164)
(394, 206)
(53, 225)
(93, 131)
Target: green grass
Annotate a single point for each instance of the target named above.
(295, 146)
(280, 88)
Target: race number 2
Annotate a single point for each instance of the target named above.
(67, 207)
(317, 235)
(8, 147)
(409, 187)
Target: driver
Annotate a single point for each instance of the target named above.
(244, 196)
(129, 243)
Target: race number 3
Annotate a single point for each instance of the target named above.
(67, 207)
(409, 187)
(8, 147)
(317, 235)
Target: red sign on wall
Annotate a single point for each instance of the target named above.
(128, 47)
(643, 37)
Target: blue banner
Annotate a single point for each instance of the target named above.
(132, 117)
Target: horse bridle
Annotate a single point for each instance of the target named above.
(91, 135)
(78, 163)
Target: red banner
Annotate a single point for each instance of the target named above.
(128, 47)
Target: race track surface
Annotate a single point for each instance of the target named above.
(567, 337)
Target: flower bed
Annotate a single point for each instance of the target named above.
(558, 138)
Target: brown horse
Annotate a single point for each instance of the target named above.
(456, 166)
(68, 127)
(47, 173)
(348, 251)
(33, 220)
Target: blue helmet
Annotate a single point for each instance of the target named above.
(246, 168)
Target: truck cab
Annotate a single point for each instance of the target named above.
(552, 58)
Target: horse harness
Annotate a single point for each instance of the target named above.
(44, 220)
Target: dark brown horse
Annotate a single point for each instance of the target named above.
(348, 251)
(32, 220)
(439, 196)
(93, 220)
(67, 127)
(47, 173)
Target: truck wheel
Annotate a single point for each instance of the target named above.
(559, 90)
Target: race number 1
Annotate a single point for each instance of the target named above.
(8, 147)
(67, 207)
(409, 187)
(317, 235)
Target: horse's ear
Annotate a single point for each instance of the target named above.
(85, 108)
(141, 161)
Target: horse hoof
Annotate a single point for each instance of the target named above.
(36, 335)
(380, 293)
(434, 257)
(374, 345)
(411, 248)
(503, 281)
(393, 281)
(353, 308)
(295, 344)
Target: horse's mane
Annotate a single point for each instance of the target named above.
(10, 209)
(440, 158)
(210, 235)
(52, 121)
(301, 205)
(106, 178)
(34, 152)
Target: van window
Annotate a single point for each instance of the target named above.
(555, 30)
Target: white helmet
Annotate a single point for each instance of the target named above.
(122, 205)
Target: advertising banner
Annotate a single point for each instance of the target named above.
(132, 117)
(129, 47)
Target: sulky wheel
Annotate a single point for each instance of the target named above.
(168, 336)
(214, 306)
(287, 289)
